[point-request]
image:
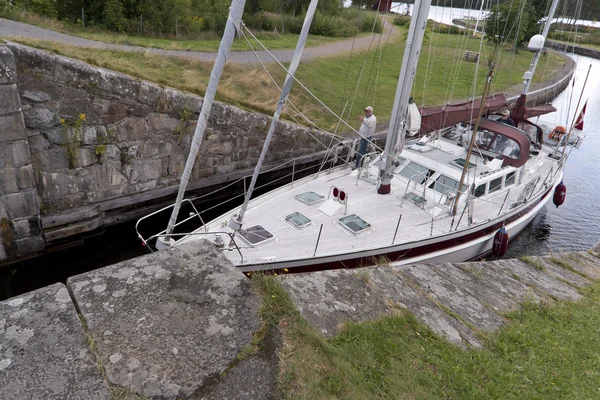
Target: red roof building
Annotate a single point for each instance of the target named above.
(382, 5)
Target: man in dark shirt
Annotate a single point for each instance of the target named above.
(505, 118)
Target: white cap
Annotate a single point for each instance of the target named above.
(505, 112)
(369, 108)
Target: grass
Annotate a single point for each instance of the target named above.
(544, 352)
(338, 81)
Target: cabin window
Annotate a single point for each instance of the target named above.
(510, 179)
(354, 223)
(309, 198)
(506, 147)
(416, 172)
(461, 163)
(256, 235)
(444, 184)
(298, 220)
(495, 185)
(480, 190)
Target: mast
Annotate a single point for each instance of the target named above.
(236, 222)
(235, 16)
(395, 138)
(536, 57)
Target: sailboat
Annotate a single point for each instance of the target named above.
(457, 193)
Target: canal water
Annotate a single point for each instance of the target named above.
(573, 226)
(576, 224)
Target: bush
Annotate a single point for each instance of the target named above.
(438, 27)
(402, 20)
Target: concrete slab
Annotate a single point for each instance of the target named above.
(326, 299)
(563, 274)
(43, 349)
(490, 293)
(490, 275)
(169, 322)
(390, 285)
(459, 301)
(582, 262)
(538, 279)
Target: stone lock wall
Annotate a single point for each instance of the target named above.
(89, 141)
(20, 229)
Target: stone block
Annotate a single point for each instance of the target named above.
(85, 156)
(8, 69)
(51, 160)
(166, 323)
(71, 109)
(8, 181)
(20, 205)
(89, 136)
(27, 227)
(43, 349)
(36, 96)
(12, 127)
(132, 128)
(38, 143)
(141, 110)
(29, 246)
(10, 101)
(40, 118)
(16, 154)
(55, 135)
(145, 170)
(149, 93)
(161, 123)
(113, 112)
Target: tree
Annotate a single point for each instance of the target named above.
(511, 22)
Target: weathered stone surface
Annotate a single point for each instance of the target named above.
(38, 143)
(132, 128)
(8, 69)
(167, 322)
(160, 123)
(254, 378)
(453, 297)
(20, 205)
(8, 181)
(50, 160)
(36, 96)
(390, 285)
(538, 279)
(40, 118)
(28, 246)
(583, 262)
(43, 349)
(12, 127)
(563, 274)
(16, 153)
(329, 298)
(505, 283)
(85, 156)
(9, 99)
(27, 227)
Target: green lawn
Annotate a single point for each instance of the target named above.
(443, 76)
(543, 352)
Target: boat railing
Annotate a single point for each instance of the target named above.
(365, 163)
(193, 215)
(232, 241)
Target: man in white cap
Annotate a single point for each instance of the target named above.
(505, 118)
(366, 131)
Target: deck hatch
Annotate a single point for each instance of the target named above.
(461, 163)
(256, 235)
(415, 198)
(354, 223)
(309, 198)
(298, 220)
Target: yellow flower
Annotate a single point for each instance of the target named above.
(82, 117)
(275, 274)
(62, 120)
(286, 270)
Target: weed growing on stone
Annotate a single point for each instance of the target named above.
(72, 129)
(567, 266)
(534, 262)
(183, 129)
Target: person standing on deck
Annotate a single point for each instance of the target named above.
(505, 118)
(366, 131)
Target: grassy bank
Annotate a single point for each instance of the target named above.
(443, 76)
(543, 352)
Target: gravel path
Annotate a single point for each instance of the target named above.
(12, 29)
